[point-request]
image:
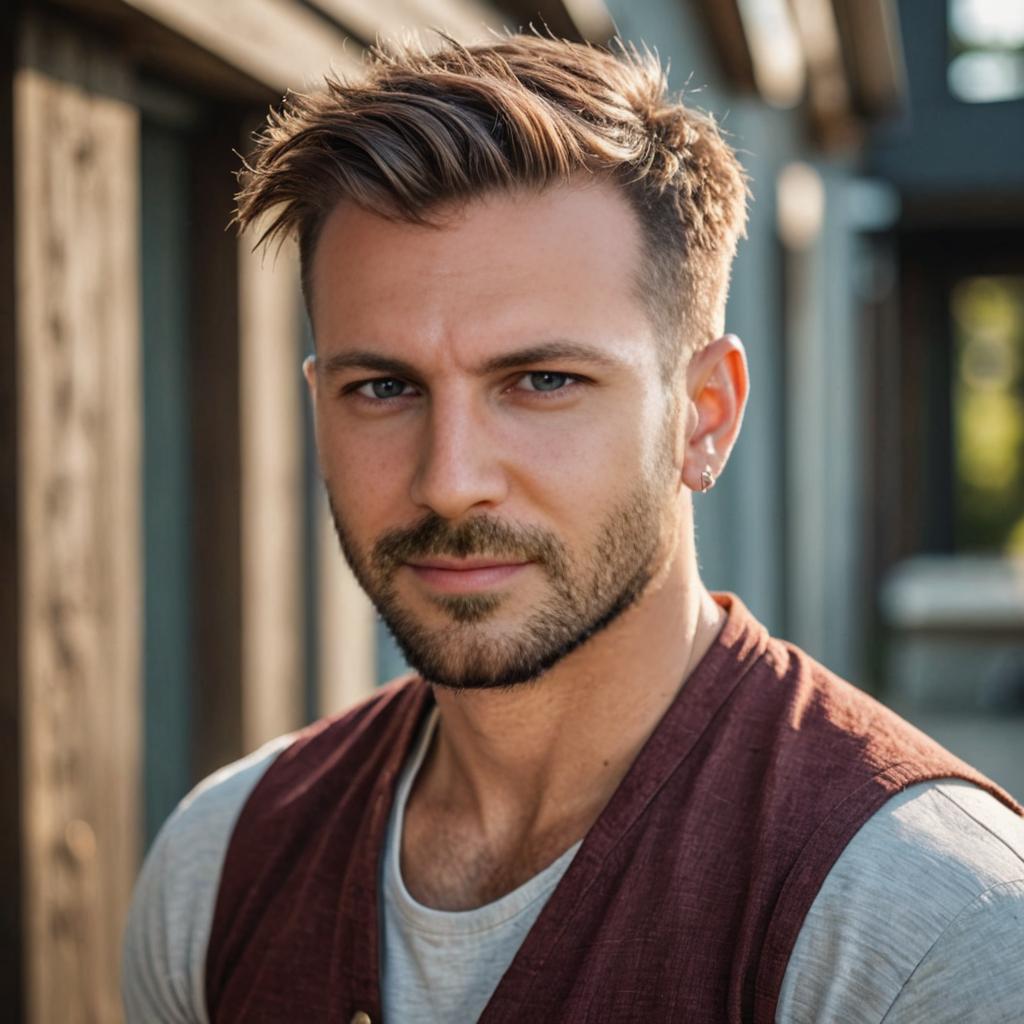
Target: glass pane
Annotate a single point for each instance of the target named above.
(988, 413)
(986, 40)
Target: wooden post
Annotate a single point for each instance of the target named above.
(76, 168)
(270, 379)
(12, 996)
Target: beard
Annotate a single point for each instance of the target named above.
(582, 597)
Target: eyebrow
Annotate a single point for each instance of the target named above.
(365, 359)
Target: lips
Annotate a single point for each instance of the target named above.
(462, 564)
(464, 575)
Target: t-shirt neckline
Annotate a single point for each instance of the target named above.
(429, 920)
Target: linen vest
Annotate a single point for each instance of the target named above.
(683, 902)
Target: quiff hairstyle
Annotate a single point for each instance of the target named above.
(422, 132)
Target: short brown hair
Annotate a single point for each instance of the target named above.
(424, 130)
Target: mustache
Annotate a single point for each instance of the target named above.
(481, 535)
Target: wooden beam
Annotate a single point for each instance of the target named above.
(587, 20)
(830, 110)
(725, 27)
(76, 174)
(873, 52)
(155, 49)
(273, 673)
(467, 20)
(279, 44)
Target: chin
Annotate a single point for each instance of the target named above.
(474, 656)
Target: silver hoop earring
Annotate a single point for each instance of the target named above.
(707, 480)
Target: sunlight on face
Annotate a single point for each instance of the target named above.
(488, 397)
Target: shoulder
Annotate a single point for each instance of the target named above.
(920, 918)
(169, 924)
(330, 766)
(169, 921)
(344, 744)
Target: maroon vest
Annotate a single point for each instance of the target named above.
(683, 902)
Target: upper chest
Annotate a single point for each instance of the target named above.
(448, 864)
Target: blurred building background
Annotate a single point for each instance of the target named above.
(171, 591)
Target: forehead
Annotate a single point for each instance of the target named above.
(562, 262)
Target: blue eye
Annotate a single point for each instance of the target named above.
(546, 380)
(384, 387)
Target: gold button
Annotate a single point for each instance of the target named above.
(361, 1017)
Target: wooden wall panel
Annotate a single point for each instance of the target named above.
(273, 673)
(79, 506)
(11, 859)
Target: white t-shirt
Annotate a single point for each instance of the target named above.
(441, 965)
(920, 920)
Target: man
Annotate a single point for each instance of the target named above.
(607, 794)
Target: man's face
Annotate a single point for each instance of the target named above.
(496, 438)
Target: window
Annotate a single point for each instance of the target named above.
(986, 50)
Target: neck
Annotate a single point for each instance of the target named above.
(544, 758)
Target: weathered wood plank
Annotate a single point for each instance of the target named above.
(273, 677)
(273, 41)
(470, 21)
(11, 858)
(79, 506)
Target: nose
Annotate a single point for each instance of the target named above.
(459, 468)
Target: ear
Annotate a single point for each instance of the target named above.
(717, 384)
